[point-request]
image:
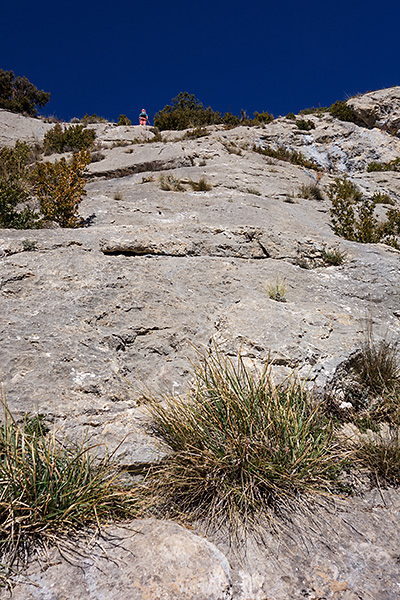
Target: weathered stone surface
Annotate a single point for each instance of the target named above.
(345, 551)
(144, 560)
(380, 108)
(90, 317)
(15, 127)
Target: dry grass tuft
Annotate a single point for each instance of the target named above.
(240, 446)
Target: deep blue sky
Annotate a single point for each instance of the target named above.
(117, 57)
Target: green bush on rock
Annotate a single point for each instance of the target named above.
(68, 139)
(353, 216)
(60, 188)
(15, 187)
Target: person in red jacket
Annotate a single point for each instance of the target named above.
(143, 118)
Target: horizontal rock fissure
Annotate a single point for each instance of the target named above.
(177, 255)
(145, 167)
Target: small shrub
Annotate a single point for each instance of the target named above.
(305, 125)
(314, 111)
(29, 245)
(292, 156)
(157, 135)
(92, 119)
(60, 188)
(381, 198)
(72, 138)
(262, 118)
(51, 487)
(340, 110)
(231, 147)
(353, 217)
(230, 120)
(393, 165)
(277, 290)
(147, 179)
(123, 120)
(15, 187)
(169, 183)
(240, 446)
(96, 157)
(310, 191)
(185, 111)
(118, 196)
(291, 116)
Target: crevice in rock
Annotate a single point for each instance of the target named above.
(145, 167)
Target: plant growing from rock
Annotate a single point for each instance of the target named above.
(184, 112)
(305, 124)
(379, 452)
(15, 187)
(353, 216)
(340, 110)
(200, 186)
(72, 138)
(60, 188)
(310, 191)
(253, 191)
(123, 120)
(377, 365)
(169, 183)
(91, 119)
(287, 155)
(393, 165)
(196, 133)
(277, 290)
(333, 256)
(239, 445)
(262, 118)
(51, 487)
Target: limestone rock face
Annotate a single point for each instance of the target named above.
(90, 318)
(379, 109)
(15, 127)
(145, 560)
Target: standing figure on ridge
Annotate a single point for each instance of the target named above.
(143, 118)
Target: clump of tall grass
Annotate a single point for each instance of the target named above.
(200, 186)
(277, 289)
(380, 454)
(50, 487)
(333, 256)
(311, 191)
(377, 365)
(240, 446)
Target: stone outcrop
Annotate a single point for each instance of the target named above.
(93, 316)
(379, 109)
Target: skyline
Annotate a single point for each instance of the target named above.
(266, 56)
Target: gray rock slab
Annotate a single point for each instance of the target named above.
(93, 317)
(143, 560)
(380, 108)
(345, 550)
(15, 127)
